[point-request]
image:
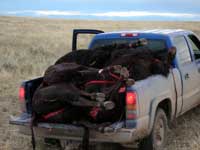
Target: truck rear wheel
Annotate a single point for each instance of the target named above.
(157, 139)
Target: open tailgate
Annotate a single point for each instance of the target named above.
(73, 132)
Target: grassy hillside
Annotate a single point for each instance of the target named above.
(28, 46)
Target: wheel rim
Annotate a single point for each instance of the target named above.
(159, 133)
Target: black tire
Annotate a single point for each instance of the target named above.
(108, 146)
(158, 137)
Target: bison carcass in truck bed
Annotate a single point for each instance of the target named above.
(86, 84)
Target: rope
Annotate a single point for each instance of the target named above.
(85, 140)
(32, 132)
(99, 82)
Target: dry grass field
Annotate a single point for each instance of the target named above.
(28, 46)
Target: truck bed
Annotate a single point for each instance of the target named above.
(116, 132)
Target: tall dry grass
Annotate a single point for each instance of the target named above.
(28, 46)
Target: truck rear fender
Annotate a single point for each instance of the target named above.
(165, 104)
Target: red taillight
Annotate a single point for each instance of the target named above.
(21, 94)
(131, 98)
(131, 105)
(22, 98)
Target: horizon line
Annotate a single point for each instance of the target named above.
(107, 15)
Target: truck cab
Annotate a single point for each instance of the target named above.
(188, 63)
(157, 100)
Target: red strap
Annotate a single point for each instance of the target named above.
(99, 82)
(94, 112)
(156, 60)
(51, 114)
(122, 89)
(115, 76)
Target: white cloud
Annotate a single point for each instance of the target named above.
(105, 14)
(143, 14)
(57, 13)
(46, 12)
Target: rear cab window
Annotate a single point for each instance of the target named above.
(153, 44)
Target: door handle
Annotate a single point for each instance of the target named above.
(187, 76)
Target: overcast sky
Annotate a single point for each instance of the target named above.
(105, 9)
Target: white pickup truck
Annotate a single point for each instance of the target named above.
(151, 104)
